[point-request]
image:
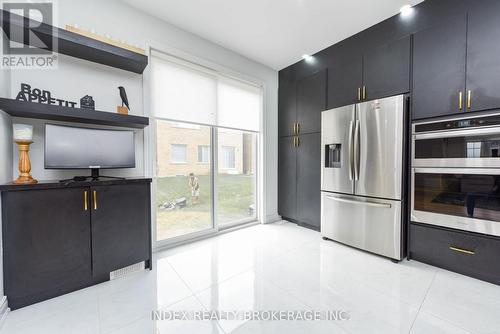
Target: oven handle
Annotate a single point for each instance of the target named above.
(463, 171)
(458, 133)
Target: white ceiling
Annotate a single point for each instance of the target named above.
(273, 32)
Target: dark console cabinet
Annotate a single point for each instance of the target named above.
(120, 227)
(46, 238)
(60, 238)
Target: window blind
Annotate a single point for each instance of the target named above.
(182, 91)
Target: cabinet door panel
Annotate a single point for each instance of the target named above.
(311, 101)
(309, 180)
(120, 226)
(386, 69)
(344, 79)
(287, 107)
(287, 182)
(483, 61)
(439, 69)
(46, 244)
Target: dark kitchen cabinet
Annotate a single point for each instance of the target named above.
(61, 237)
(299, 179)
(287, 177)
(287, 107)
(471, 254)
(311, 101)
(483, 56)
(309, 180)
(46, 243)
(120, 224)
(386, 69)
(376, 73)
(439, 56)
(345, 78)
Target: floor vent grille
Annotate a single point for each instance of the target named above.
(127, 270)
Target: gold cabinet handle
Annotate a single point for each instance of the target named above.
(298, 141)
(461, 250)
(294, 128)
(95, 200)
(298, 127)
(85, 199)
(294, 143)
(469, 99)
(460, 100)
(359, 93)
(364, 92)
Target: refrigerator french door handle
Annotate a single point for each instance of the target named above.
(350, 148)
(351, 201)
(356, 151)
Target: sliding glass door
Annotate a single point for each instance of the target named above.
(206, 134)
(236, 177)
(183, 179)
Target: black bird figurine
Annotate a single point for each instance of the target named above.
(123, 95)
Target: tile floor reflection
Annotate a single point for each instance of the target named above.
(272, 267)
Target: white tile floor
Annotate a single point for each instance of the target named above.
(273, 267)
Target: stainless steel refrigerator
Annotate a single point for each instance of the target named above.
(362, 175)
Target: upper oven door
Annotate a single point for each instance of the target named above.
(466, 199)
(466, 148)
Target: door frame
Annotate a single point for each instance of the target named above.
(150, 146)
(215, 226)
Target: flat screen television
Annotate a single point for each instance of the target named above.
(68, 147)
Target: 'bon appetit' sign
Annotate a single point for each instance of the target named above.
(28, 94)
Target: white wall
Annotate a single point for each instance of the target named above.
(75, 78)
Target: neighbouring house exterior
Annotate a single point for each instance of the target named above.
(185, 148)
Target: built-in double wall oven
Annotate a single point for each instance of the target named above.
(456, 173)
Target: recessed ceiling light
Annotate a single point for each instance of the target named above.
(307, 57)
(406, 10)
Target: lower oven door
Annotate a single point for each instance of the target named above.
(465, 199)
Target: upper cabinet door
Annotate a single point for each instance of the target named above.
(483, 56)
(386, 70)
(311, 101)
(287, 107)
(439, 69)
(345, 79)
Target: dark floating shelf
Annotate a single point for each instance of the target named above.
(75, 115)
(75, 45)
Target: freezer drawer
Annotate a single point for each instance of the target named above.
(370, 224)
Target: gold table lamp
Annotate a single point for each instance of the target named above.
(23, 137)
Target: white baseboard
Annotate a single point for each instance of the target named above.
(4, 310)
(273, 218)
